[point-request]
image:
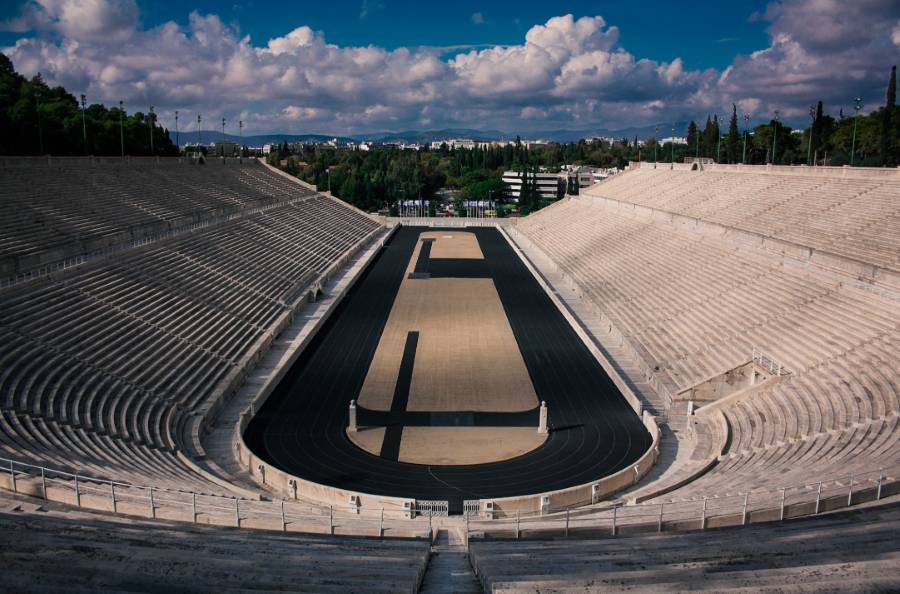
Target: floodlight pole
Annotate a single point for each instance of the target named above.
(37, 108)
(241, 135)
(655, 143)
(812, 118)
(122, 127)
(673, 146)
(855, 120)
(150, 124)
(746, 132)
(198, 135)
(177, 143)
(223, 138)
(775, 135)
(719, 144)
(83, 124)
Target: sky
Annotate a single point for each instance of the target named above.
(388, 65)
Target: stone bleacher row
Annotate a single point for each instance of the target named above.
(70, 207)
(43, 552)
(695, 307)
(847, 552)
(854, 217)
(101, 365)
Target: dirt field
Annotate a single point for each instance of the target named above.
(467, 359)
(443, 446)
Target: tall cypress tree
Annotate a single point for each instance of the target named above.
(887, 135)
(734, 141)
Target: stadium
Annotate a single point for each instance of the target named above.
(218, 376)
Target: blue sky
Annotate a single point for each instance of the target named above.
(708, 34)
(374, 65)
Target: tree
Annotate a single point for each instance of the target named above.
(734, 142)
(888, 140)
(693, 136)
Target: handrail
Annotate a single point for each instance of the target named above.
(825, 493)
(85, 491)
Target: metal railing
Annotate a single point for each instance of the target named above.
(697, 513)
(767, 362)
(191, 506)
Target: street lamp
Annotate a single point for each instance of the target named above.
(855, 120)
(37, 108)
(122, 127)
(241, 135)
(655, 144)
(223, 138)
(673, 146)
(83, 124)
(812, 119)
(199, 150)
(746, 129)
(719, 144)
(775, 135)
(150, 125)
(177, 143)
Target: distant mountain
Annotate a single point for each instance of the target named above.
(429, 136)
(207, 136)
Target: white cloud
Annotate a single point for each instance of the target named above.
(566, 72)
(477, 18)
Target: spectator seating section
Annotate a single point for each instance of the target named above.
(100, 365)
(43, 552)
(852, 217)
(846, 552)
(694, 306)
(65, 207)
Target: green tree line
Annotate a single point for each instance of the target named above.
(36, 119)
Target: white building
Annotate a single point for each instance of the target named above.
(673, 140)
(547, 183)
(453, 143)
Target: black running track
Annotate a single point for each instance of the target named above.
(301, 428)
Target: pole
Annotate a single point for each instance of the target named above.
(746, 131)
(241, 136)
(877, 490)
(177, 139)
(855, 120)
(655, 144)
(150, 124)
(77, 493)
(381, 525)
(659, 522)
(237, 512)
(850, 492)
(818, 497)
(719, 145)
(37, 109)
(744, 514)
(615, 513)
(517, 525)
(194, 506)
(198, 134)
(152, 506)
(84, 124)
(12, 476)
(122, 127)
(781, 516)
(44, 484)
(567, 522)
(673, 146)
(775, 135)
(812, 117)
(703, 515)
